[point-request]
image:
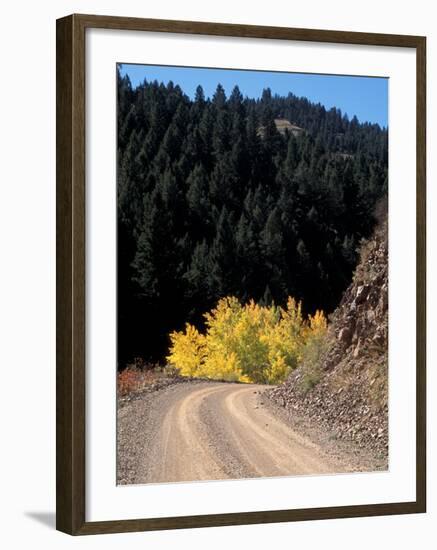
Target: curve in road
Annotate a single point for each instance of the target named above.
(212, 431)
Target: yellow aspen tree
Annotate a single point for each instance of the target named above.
(187, 351)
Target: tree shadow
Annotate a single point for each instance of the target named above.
(45, 518)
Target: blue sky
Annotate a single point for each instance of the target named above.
(365, 97)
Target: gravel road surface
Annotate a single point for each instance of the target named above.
(210, 431)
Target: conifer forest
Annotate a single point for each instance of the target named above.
(258, 201)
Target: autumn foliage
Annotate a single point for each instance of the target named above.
(129, 380)
(246, 343)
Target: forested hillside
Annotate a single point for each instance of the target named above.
(215, 201)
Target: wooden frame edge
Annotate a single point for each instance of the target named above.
(70, 274)
(421, 460)
(246, 31)
(247, 518)
(64, 161)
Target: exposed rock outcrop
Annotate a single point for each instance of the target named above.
(349, 393)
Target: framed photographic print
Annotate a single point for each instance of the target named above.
(240, 274)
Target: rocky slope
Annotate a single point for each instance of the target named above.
(343, 388)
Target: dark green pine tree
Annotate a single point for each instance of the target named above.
(292, 158)
(224, 276)
(201, 290)
(272, 247)
(198, 202)
(219, 98)
(247, 259)
(221, 141)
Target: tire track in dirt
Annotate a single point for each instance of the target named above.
(212, 431)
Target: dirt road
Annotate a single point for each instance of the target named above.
(210, 431)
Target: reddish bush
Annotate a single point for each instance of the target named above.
(133, 379)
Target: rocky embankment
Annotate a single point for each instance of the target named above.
(350, 396)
